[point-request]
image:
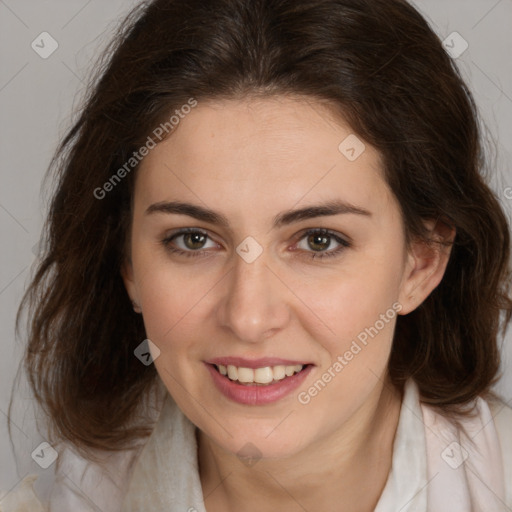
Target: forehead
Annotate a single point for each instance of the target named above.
(262, 151)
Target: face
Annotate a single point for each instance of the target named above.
(261, 243)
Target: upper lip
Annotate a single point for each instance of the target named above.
(254, 363)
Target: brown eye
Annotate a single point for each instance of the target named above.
(188, 242)
(194, 241)
(319, 240)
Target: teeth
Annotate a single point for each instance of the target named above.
(290, 370)
(279, 372)
(245, 374)
(232, 372)
(264, 375)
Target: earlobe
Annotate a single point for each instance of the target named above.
(136, 307)
(426, 265)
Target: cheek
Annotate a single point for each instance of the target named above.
(359, 316)
(358, 311)
(355, 299)
(172, 295)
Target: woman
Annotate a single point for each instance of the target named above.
(274, 273)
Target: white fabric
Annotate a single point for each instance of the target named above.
(478, 482)
(420, 480)
(429, 472)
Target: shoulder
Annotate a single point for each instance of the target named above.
(470, 457)
(22, 497)
(83, 485)
(502, 419)
(79, 484)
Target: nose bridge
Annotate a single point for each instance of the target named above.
(254, 305)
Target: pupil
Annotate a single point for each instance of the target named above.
(197, 238)
(319, 240)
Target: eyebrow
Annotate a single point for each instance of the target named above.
(329, 208)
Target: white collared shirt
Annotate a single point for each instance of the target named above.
(434, 469)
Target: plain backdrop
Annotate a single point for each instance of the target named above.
(37, 99)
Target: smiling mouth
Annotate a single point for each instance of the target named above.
(259, 376)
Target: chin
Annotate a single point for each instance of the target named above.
(257, 445)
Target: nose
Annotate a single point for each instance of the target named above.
(254, 306)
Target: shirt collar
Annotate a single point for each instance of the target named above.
(405, 489)
(166, 475)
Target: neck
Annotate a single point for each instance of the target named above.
(349, 466)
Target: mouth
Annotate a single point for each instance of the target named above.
(257, 381)
(262, 376)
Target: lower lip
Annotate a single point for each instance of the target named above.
(257, 395)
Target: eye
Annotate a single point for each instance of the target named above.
(192, 242)
(321, 239)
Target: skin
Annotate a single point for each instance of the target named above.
(251, 160)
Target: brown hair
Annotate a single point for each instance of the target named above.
(386, 71)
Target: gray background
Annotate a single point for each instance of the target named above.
(38, 96)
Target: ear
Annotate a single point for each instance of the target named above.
(426, 264)
(129, 283)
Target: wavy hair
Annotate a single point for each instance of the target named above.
(380, 65)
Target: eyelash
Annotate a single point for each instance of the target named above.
(313, 255)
